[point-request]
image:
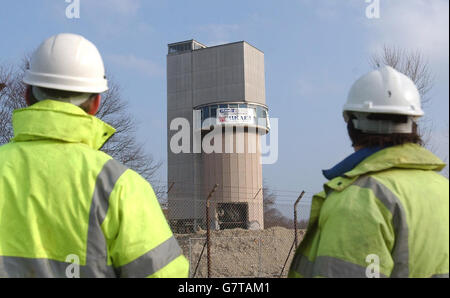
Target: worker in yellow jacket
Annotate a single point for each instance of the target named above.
(385, 210)
(66, 208)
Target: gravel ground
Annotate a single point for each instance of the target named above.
(241, 253)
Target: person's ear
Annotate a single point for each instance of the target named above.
(95, 105)
(27, 95)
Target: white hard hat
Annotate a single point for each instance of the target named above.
(67, 62)
(384, 91)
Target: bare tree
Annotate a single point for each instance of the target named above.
(269, 198)
(272, 216)
(11, 98)
(413, 64)
(123, 146)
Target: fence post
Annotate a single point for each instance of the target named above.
(254, 198)
(199, 259)
(208, 250)
(170, 187)
(259, 258)
(295, 218)
(287, 258)
(190, 258)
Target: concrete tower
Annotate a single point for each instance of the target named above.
(220, 91)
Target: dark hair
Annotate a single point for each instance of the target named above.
(60, 93)
(362, 139)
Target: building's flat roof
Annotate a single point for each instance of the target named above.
(185, 41)
(220, 45)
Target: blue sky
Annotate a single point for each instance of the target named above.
(314, 50)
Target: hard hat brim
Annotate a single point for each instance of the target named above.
(65, 83)
(384, 110)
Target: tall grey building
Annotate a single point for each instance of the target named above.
(220, 90)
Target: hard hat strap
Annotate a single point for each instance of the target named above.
(74, 98)
(366, 125)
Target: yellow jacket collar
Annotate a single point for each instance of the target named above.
(408, 156)
(60, 121)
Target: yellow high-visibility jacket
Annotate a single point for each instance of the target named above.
(387, 217)
(62, 201)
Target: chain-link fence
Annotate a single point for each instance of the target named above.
(241, 239)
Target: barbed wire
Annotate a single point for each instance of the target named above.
(207, 186)
(283, 202)
(229, 195)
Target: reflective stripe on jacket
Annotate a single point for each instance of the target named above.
(392, 209)
(63, 201)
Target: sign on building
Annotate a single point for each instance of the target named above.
(235, 116)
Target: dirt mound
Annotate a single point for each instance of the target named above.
(240, 253)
